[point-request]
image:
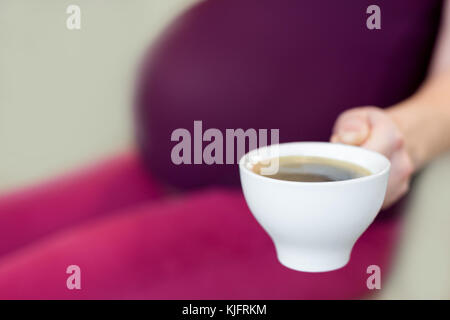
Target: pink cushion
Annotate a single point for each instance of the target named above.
(130, 243)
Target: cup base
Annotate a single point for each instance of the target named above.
(298, 260)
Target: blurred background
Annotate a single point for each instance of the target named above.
(53, 79)
(79, 84)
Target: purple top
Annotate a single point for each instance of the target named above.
(276, 64)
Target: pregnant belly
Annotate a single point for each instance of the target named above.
(268, 65)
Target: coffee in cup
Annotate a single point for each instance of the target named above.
(312, 169)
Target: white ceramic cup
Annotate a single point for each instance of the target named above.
(314, 225)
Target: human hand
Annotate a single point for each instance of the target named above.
(373, 128)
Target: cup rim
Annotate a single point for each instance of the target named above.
(242, 166)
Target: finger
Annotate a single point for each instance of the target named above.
(352, 127)
(398, 184)
(397, 173)
(396, 195)
(384, 136)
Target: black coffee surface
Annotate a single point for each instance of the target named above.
(313, 169)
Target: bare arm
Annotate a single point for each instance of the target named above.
(425, 117)
(412, 132)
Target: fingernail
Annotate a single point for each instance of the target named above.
(350, 137)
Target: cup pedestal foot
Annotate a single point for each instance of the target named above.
(312, 261)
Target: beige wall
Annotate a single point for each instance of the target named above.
(422, 264)
(65, 95)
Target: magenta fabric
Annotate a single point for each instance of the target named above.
(133, 241)
(90, 193)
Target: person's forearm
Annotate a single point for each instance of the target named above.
(424, 120)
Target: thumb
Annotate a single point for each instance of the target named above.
(351, 127)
